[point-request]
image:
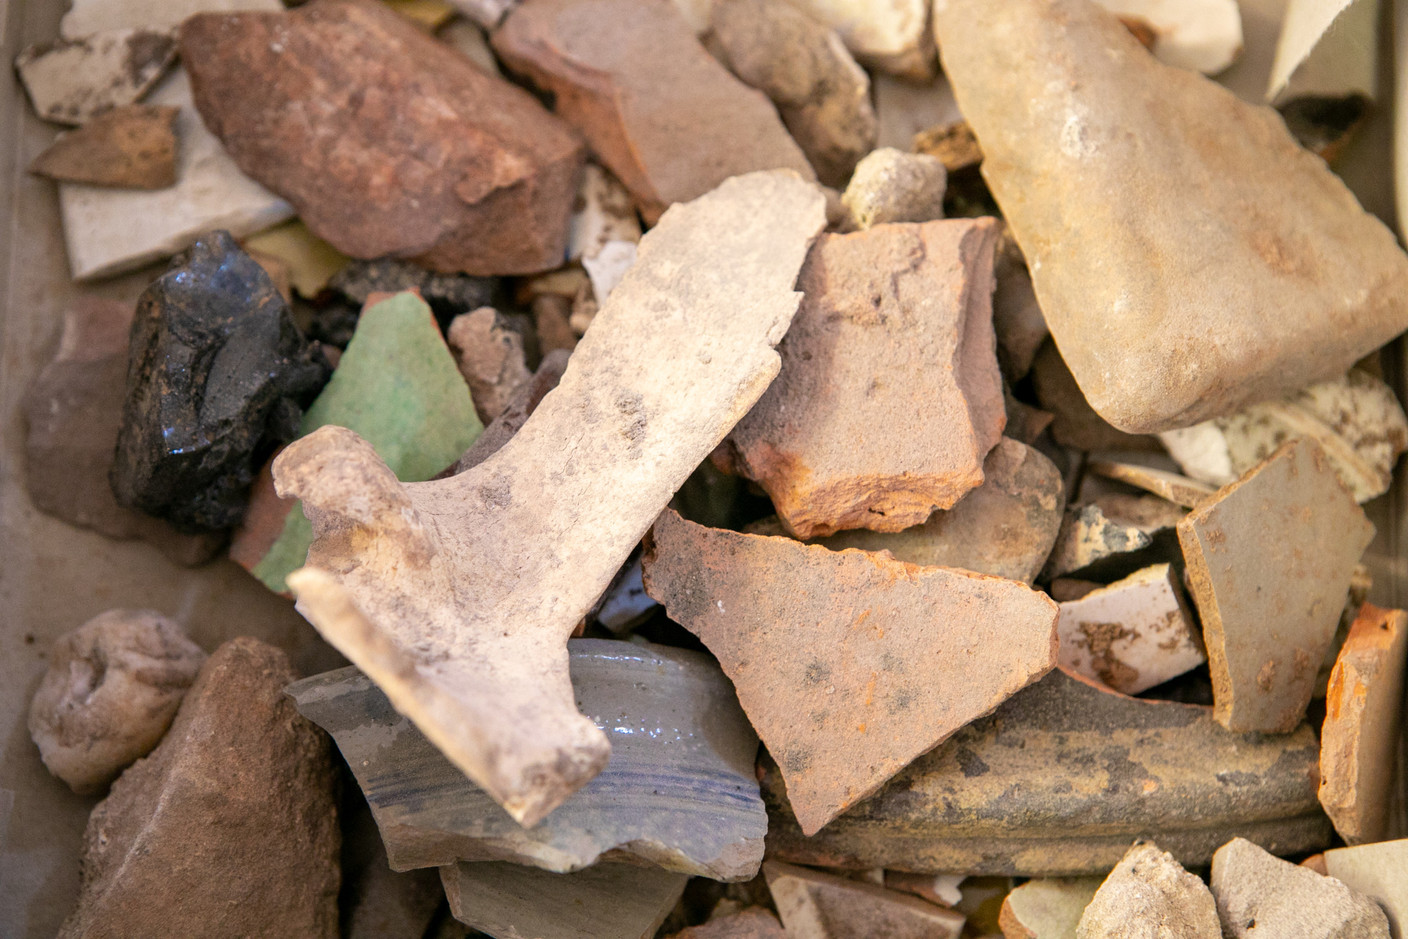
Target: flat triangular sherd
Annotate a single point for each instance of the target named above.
(1269, 564)
(848, 663)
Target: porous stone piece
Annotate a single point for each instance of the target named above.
(1107, 535)
(1380, 872)
(1269, 565)
(1260, 896)
(632, 77)
(814, 905)
(1048, 908)
(676, 356)
(109, 231)
(752, 923)
(1357, 420)
(414, 153)
(1005, 527)
(1363, 713)
(893, 186)
(73, 411)
(448, 294)
(90, 16)
(1075, 424)
(892, 652)
(1150, 896)
(1180, 490)
(890, 395)
(1016, 316)
(398, 388)
(72, 81)
(1254, 240)
(1132, 635)
(1014, 793)
(110, 692)
(132, 147)
(821, 93)
(680, 794)
(606, 901)
(233, 815)
(892, 37)
(490, 357)
(216, 373)
(310, 260)
(1202, 35)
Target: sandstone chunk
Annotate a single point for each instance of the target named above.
(821, 93)
(1259, 895)
(1379, 871)
(217, 372)
(676, 356)
(682, 794)
(490, 357)
(890, 396)
(132, 147)
(892, 186)
(231, 819)
(1005, 527)
(607, 901)
(1150, 896)
(1363, 713)
(112, 688)
(861, 664)
(1014, 792)
(1269, 565)
(631, 76)
(892, 37)
(1047, 909)
(73, 81)
(814, 905)
(1133, 634)
(1254, 240)
(413, 152)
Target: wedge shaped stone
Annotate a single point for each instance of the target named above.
(457, 596)
(1048, 908)
(680, 791)
(632, 77)
(1269, 565)
(890, 396)
(72, 81)
(608, 901)
(1379, 871)
(414, 153)
(1014, 793)
(1260, 896)
(860, 664)
(1150, 896)
(1253, 239)
(1005, 527)
(1132, 635)
(1363, 715)
(814, 905)
(131, 147)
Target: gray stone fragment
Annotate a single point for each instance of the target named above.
(1260, 896)
(1150, 896)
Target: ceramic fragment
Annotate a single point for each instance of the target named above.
(86, 17)
(73, 81)
(1327, 50)
(1150, 896)
(814, 905)
(490, 357)
(891, 37)
(603, 215)
(311, 261)
(1202, 35)
(892, 186)
(1260, 896)
(1047, 908)
(1180, 490)
(130, 147)
(1380, 872)
(1107, 535)
(936, 888)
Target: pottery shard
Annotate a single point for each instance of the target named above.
(386, 141)
(72, 81)
(1108, 536)
(1150, 896)
(1260, 896)
(1180, 490)
(490, 357)
(231, 820)
(1269, 564)
(861, 664)
(1006, 527)
(132, 147)
(1212, 221)
(1047, 908)
(821, 93)
(112, 688)
(632, 77)
(1362, 716)
(893, 186)
(814, 905)
(676, 356)
(890, 396)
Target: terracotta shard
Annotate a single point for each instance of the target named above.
(890, 396)
(814, 905)
(73, 81)
(386, 141)
(1363, 713)
(681, 795)
(1014, 793)
(539, 529)
(132, 147)
(1269, 564)
(1260, 896)
(1150, 896)
(1047, 908)
(632, 77)
(490, 357)
(861, 664)
(1212, 218)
